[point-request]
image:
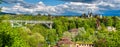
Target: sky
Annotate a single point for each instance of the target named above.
(62, 7)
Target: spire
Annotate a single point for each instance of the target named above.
(89, 13)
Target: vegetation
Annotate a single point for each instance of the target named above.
(92, 30)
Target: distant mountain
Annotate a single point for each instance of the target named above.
(2, 13)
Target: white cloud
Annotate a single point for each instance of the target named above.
(77, 7)
(13, 1)
(39, 8)
(82, 7)
(58, 9)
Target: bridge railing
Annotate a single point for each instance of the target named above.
(47, 23)
(29, 21)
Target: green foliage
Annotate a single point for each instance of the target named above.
(0, 8)
(10, 37)
(5, 39)
(65, 45)
(35, 40)
(67, 34)
(108, 40)
(38, 35)
(109, 21)
(118, 25)
(52, 37)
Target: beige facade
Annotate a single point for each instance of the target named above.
(84, 45)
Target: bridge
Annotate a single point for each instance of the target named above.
(19, 23)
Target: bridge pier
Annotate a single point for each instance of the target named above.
(12, 24)
(26, 23)
(49, 25)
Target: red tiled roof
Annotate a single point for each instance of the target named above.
(65, 40)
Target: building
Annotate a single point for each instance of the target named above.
(98, 24)
(74, 32)
(65, 42)
(109, 28)
(84, 45)
(81, 44)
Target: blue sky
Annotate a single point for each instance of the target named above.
(61, 7)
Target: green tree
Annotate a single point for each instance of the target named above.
(108, 39)
(6, 39)
(58, 25)
(67, 34)
(109, 21)
(36, 40)
(118, 25)
(0, 9)
(52, 37)
(10, 37)
(72, 24)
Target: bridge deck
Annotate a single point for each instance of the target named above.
(47, 23)
(29, 21)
